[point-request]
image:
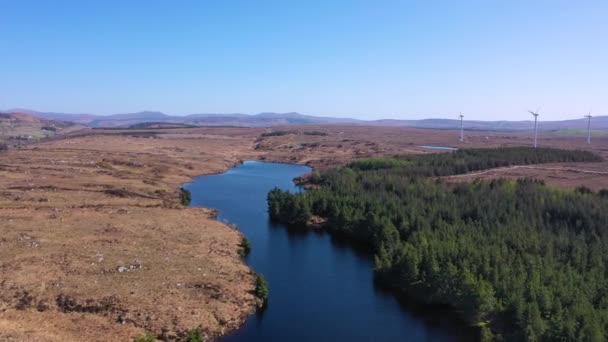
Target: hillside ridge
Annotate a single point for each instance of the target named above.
(269, 119)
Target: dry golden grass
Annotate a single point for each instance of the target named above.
(77, 212)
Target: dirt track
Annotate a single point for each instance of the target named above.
(566, 175)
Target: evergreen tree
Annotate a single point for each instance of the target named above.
(523, 261)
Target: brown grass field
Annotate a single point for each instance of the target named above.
(74, 211)
(96, 247)
(346, 142)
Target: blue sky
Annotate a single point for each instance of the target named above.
(363, 59)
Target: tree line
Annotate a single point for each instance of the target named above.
(521, 260)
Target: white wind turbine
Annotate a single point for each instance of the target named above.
(535, 127)
(588, 116)
(461, 128)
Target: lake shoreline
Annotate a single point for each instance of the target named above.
(250, 330)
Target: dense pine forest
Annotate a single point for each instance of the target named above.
(521, 260)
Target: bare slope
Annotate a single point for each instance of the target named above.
(18, 128)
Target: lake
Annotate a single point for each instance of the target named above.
(432, 147)
(320, 289)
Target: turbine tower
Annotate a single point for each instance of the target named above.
(588, 116)
(461, 128)
(535, 127)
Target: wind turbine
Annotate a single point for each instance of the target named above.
(461, 128)
(535, 127)
(588, 116)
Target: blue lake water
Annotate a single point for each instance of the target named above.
(431, 147)
(320, 289)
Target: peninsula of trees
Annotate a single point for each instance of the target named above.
(521, 260)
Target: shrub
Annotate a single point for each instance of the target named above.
(147, 337)
(245, 246)
(276, 133)
(185, 197)
(315, 133)
(261, 288)
(583, 190)
(195, 335)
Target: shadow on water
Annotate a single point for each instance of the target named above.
(442, 317)
(337, 241)
(259, 313)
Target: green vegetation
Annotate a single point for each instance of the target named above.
(147, 337)
(281, 133)
(594, 132)
(261, 288)
(520, 260)
(159, 125)
(319, 133)
(185, 197)
(195, 335)
(245, 246)
(475, 159)
(276, 133)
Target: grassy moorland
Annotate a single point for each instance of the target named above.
(521, 260)
(98, 243)
(78, 207)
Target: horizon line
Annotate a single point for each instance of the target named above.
(33, 112)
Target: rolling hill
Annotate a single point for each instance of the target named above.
(21, 128)
(284, 119)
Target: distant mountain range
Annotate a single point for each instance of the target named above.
(283, 119)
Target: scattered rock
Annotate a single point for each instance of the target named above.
(133, 267)
(28, 240)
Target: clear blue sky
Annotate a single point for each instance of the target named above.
(365, 59)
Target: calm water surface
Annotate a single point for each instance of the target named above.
(320, 290)
(432, 147)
